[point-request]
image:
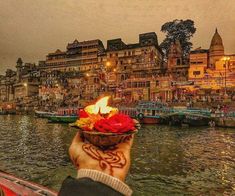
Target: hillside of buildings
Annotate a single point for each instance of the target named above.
(128, 72)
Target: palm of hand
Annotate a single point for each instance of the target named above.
(115, 162)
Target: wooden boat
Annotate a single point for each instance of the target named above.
(228, 122)
(150, 112)
(62, 119)
(13, 186)
(132, 112)
(64, 115)
(175, 119)
(42, 114)
(196, 120)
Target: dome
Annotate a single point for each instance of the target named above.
(216, 41)
(216, 51)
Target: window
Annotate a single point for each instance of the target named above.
(178, 61)
(196, 73)
(148, 84)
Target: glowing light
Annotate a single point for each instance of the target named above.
(25, 84)
(101, 106)
(108, 63)
(226, 58)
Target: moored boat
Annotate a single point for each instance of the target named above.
(151, 112)
(128, 111)
(64, 115)
(43, 114)
(62, 119)
(227, 122)
(196, 120)
(13, 186)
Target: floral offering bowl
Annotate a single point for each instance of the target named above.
(105, 140)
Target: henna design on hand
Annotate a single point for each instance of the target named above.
(107, 159)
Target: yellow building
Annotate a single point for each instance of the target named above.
(211, 70)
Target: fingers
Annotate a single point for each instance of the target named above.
(77, 139)
(127, 144)
(75, 147)
(129, 141)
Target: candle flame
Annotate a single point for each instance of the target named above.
(101, 107)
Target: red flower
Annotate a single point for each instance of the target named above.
(118, 123)
(82, 114)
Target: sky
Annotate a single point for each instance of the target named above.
(30, 29)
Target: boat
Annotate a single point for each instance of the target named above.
(132, 112)
(64, 115)
(148, 112)
(227, 122)
(43, 114)
(13, 186)
(174, 118)
(196, 120)
(62, 119)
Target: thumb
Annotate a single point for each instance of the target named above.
(78, 139)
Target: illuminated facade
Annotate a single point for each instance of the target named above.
(131, 70)
(212, 70)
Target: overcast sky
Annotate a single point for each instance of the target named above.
(32, 28)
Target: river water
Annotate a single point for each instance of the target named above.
(165, 160)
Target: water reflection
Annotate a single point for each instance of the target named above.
(165, 160)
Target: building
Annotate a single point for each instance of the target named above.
(198, 63)
(3, 96)
(83, 56)
(212, 71)
(55, 61)
(129, 69)
(176, 64)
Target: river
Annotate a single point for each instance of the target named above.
(165, 160)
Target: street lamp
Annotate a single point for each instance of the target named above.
(226, 60)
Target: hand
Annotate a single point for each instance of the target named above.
(115, 162)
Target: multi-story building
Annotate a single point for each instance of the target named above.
(9, 82)
(199, 60)
(212, 71)
(83, 56)
(130, 68)
(3, 96)
(27, 80)
(55, 61)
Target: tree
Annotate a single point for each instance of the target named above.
(181, 30)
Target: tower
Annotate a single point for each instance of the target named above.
(216, 51)
(175, 55)
(19, 65)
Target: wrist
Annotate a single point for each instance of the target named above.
(106, 179)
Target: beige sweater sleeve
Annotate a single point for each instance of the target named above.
(113, 182)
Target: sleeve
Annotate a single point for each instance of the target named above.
(92, 182)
